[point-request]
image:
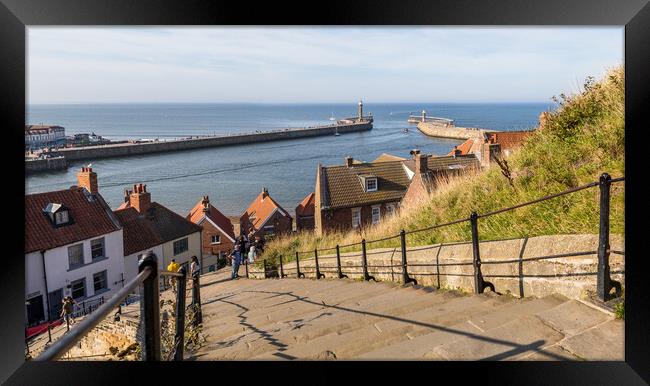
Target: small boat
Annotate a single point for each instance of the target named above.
(406, 130)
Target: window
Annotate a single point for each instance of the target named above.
(61, 217)
(390, 209)
(375, 214)
(76, 255)
(78, 288)
(97, 248)
(99, 281)
(215, 239)
(180, 246)
(356, 217)
(371, 185)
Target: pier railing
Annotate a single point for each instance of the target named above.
(148, 278)
(604, 282)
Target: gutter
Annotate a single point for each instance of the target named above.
(47, 292)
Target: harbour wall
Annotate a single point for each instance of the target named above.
(453, 132)
(128, 149)
(45, 164)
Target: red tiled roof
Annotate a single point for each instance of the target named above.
(89, 219)
(159, 225)
(464, 147)
(223, 222)
(306, 206)
(508, 139)
(260, 209)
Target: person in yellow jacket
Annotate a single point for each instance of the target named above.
(173, 267)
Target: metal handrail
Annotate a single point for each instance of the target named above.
(66, 342)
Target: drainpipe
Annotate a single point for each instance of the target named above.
(47, 292)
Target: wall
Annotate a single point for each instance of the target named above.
(121, 150)
(450, 132)
(570, 276)
(342, 218)
(194, 249)
(207, 247)
(59, 275)
(131, 262)
(45, 164)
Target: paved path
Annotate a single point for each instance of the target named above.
(292, 319)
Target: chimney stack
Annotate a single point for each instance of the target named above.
(127, 193)
(86, 178)
(456, 151)
(206, 204)
(421, 165)
(348, 161)
(140, 199)
(265, 193)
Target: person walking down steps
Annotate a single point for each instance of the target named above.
(173, 267)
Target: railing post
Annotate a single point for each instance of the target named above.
(83, 305)
(49, 332)
(150, 308)
(196, 300)
(405, 275)
(479, 283)
(298, 273)
(179, 339)
(246, 266)
(338, 263)
(281, 269)
(318, 274)
(264, 268)
(364, 261)
(604, 282)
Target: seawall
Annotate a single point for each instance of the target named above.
(453, 132)
(45, 164)
(128, 149)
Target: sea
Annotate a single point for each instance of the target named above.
(233, 176)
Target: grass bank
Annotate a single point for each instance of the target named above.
(581, 138)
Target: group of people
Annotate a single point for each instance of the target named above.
(246, 247)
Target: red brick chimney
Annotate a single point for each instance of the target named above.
(206, 204)
(421, 165)
(140, 199)
(348, 161)
(86, 178)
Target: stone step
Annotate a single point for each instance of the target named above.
(473, 322)
(322, 321)
(345, 343)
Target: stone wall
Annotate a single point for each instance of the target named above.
(433, 130)
(570, 275)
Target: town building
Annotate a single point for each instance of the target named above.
(358, 194)
(305, 213)
(265, 217)
(149, 226)
(37, 136)
(73, 247)
(218, 234)
(492, 144)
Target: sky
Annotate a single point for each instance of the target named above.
(314, 64)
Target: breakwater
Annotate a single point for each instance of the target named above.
(439, 131)
(45, 164)
(129, 149)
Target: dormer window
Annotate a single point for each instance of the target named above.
(57, 213)
(371, 184)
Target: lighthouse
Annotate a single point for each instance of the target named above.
(360, 109)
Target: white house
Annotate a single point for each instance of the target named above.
(149, 226)
(73, 246)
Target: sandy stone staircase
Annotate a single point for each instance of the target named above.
(345, 319)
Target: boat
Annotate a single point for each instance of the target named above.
(406, 130)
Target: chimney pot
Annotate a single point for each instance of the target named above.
(87, 179)
(348, 161)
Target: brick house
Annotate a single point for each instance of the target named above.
(493, 144)
(305, 213)
(73, 247)
(149, 226)
(265, 217)
(359, 194)
(218, 235)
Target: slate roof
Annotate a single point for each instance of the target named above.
(342, 186)
(306, 206)
(90, 217)
(196, 215)
(158, 226)
(260, 209)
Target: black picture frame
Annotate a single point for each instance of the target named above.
(15, 15)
